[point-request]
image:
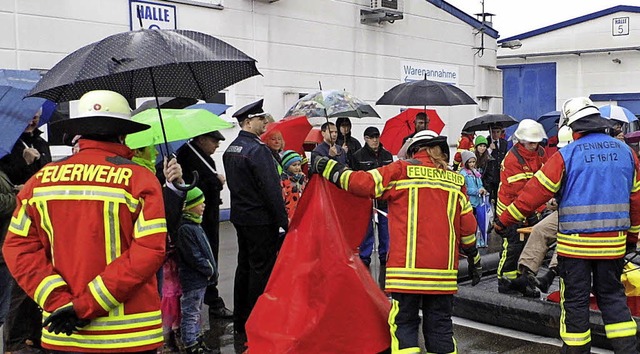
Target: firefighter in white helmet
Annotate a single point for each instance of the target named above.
(596, 182)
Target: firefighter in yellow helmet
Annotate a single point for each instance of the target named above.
(88, 236)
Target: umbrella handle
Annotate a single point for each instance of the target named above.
(189, 186)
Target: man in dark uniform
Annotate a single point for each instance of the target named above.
(498, 148)
(196, 156)
(257, 210)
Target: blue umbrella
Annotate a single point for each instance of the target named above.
(15, 110)
(549, 121)
(618, 113)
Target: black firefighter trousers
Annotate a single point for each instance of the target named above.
(575, 286)
(437, 327)
(258, 247)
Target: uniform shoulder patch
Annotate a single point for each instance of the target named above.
(235, 149)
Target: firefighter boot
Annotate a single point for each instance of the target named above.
(525, 283)
(505, 286)
(382, 274)
(545, 281)
(624, 345)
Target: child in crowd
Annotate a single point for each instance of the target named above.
(473, 182)
(197, 269)
(293, 180)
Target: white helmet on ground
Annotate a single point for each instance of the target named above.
(423, 138)
(565, 136)
(576, 108)
(530, 130)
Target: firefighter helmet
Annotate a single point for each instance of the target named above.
(101, 112)
(576, 108)
(421, 139)
(565, 136)
(531, 131)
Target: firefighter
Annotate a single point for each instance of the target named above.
(88, 236)
(524, 159)
(430, 217)
(465, 143)
(596, 182)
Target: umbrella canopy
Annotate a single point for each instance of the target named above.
(486, 121)
(15, 111)
(549, 121)
(180, 124)
(148, 63)
(294, 130)
(313, 138)
(633, 137)
(425, 93)
(215, 108)
(618, 113)
(398, 127)
(331, 103)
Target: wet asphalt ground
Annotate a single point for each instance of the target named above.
(472, 337)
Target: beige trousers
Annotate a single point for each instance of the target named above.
(542, 235)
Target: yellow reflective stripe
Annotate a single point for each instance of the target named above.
(327, 170)
(422, 273)
(344, 179)
(45, 223)
(634, 228)
(148, 227)
(84, 192)
(451, 214)
(568, 250)
(377, 180)
(20, 223)
(104, 341)
(503, 257)
(421, 285)
(134, 321)
(519, 177)
(515, 212)
(46, 286)
(466, 206)
(546, 182)
(422, 183)
(102, 295)
(571, 339)
(589, 247)
(622, 329)
(476, 259)
(412, 228)
(395, 343)
(468, 240)
(111, 231)
(636, 183)
(500, 207)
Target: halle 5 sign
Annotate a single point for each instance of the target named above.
(151, 15)
(620, 26)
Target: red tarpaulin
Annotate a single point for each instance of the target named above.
(320, 297)
(398, 127)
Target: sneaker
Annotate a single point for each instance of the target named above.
(220, 313)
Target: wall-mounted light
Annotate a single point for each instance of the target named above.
(512, 44)
(616, 60)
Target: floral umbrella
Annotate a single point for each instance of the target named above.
(331, 103)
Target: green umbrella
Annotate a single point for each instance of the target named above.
(179, 124)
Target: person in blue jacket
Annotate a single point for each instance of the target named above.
(473, 182)
(197, 269)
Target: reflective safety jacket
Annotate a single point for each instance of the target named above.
(89, 231)
(596, 182)
(430, 217)
(518, 167)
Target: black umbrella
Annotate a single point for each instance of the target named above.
(425, 93)
(486, 121)
(146, 63)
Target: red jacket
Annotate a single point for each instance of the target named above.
(89, 231)
(429, 218)
(464, 143)
(515, 173)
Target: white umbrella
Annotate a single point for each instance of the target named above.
(618, 113)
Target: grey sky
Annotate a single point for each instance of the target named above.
(518, 16)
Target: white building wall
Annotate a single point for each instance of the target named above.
(296, 44)
(579, 70)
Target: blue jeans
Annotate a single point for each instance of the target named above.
(6, 283)
(366, 247)
(191, 306)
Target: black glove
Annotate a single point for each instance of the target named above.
(64, 320)
(499, 227)
(475, 271)
(631, 248)
(318, 165)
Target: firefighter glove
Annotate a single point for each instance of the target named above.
(475, 270)
(64, 320)
(319, 164)
(500, 228)
(631, 247)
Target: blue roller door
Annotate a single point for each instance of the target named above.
(528, 90)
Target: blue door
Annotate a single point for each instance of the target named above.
(528, 90)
